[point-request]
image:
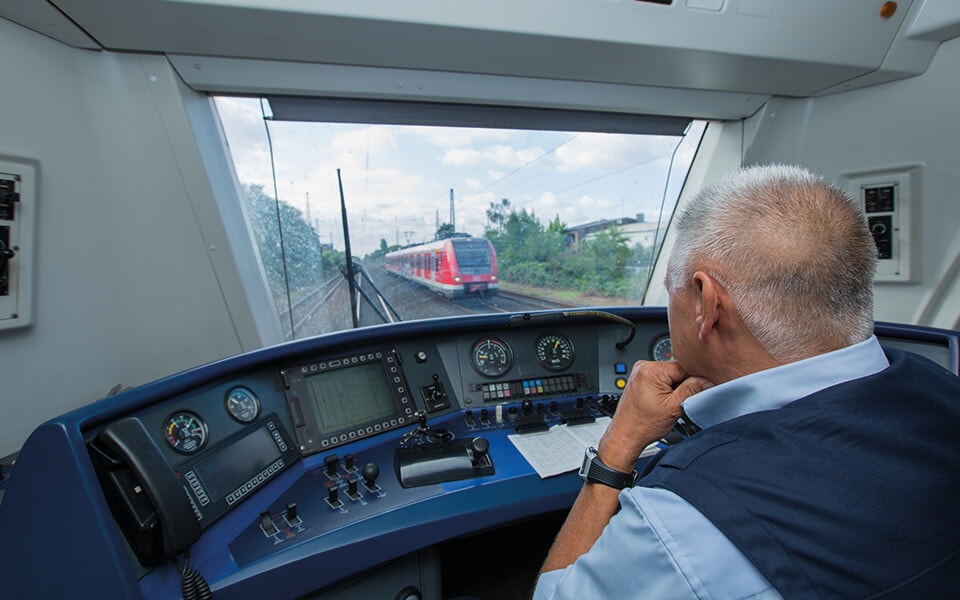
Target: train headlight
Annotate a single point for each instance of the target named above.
(493, 278)
(456, 278)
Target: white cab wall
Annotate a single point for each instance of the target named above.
(912, 122)
(127, 288)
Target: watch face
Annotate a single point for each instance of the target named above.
(594, 471)
(587, 459)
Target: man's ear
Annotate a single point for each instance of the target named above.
(708, 303)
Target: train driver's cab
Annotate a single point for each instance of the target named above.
(363, 285)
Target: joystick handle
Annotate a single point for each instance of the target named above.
(370, 473)
(479, 447)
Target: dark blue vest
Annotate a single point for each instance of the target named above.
(852, 492)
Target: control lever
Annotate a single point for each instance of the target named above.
(370, 473)
(428, 464)
(434, 435)
(434, 396)
(479, 447)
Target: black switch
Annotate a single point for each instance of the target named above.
(266, 524)
(333, 496)
(352, 488)
(331, 463)
(879, 199)
(885, 199)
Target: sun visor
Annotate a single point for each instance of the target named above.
(345, 110)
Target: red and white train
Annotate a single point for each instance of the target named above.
(454, 267)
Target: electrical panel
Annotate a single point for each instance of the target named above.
(887, 199)
(17, 212)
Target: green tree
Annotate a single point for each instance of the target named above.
(531, 254)
(444, 231)
(306, 261)
(604, 260)
(527, 252)
(378, 254)
(497, 215)
(642, 256)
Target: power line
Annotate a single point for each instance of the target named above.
(528, 163)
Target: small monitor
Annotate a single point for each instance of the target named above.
(342, 399)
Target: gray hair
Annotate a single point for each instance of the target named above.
(791, 249)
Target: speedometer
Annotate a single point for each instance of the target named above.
(242, 404)
(554, 351)
(491, 357)
(185, 432)
(662, 349)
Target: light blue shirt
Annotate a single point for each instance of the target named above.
(658, 546)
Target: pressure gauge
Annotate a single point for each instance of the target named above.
(554, 351)
(243, 405)
(491, 357)
(185, 432)
(661, 349)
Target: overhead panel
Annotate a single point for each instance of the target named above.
(757, 46)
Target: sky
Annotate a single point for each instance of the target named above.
(397, 179)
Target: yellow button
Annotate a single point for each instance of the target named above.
(621, 383)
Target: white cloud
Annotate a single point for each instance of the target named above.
(396, 180)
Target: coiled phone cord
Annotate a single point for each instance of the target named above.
(192, 583)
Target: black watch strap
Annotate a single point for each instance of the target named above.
(594, 471)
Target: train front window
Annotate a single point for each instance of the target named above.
(450, 214)
(473, 257)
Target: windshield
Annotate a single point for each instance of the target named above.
(444, 220)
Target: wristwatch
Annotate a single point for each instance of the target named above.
(593, 470)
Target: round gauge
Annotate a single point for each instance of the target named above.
(491, 357)
(243, 405)
(662, 349)
(554, 351)
(185, 432)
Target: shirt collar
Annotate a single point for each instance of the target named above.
(774, 388)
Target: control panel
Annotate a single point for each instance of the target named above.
(463, 449)
(17, 216)
(887, 201)
(211, 460)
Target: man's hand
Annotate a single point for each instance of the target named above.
(648, 410)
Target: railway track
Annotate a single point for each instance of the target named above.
(306, 308)
(327, 306)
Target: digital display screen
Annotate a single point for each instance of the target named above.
(343, 399)
(235, 464)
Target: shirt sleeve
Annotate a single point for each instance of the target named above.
(658, 546)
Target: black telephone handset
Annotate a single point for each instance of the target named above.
(145, 495)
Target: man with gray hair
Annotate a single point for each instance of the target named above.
(816, 464)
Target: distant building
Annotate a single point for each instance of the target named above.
(636, 230)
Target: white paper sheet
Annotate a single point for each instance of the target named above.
(560, 449)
